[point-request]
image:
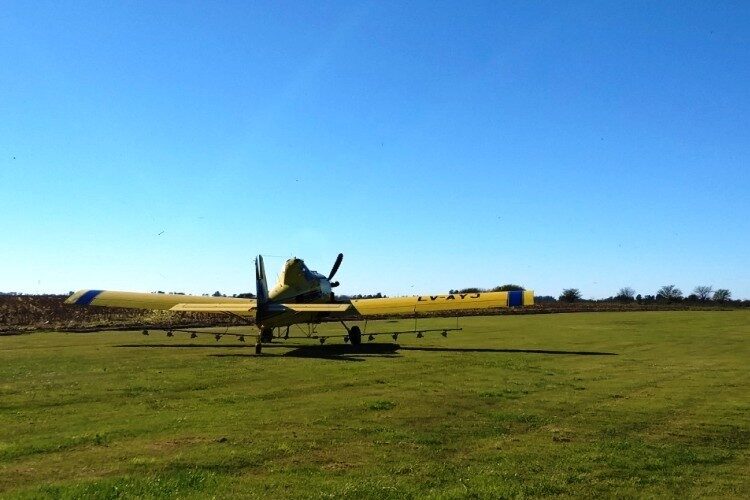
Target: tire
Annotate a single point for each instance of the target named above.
(266, 335)
(355, 336)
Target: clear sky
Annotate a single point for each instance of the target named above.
(161, 145)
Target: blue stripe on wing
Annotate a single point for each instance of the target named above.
(87, 297)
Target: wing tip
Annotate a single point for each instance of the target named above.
(83, 297)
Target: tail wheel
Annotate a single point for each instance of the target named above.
(355, 335)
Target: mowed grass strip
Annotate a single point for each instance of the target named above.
(634, 404)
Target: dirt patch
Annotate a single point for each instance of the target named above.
(27, 313)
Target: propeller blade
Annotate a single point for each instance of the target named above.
(336, 265)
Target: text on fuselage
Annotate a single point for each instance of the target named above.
(460, 296)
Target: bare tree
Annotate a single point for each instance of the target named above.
(722, 295)
(570, 295)
(626, 294)
(703, 292)
(669, 293)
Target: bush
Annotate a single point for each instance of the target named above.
(570, 295)
(508, 288)
(722, 295)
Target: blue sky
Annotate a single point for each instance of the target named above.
(161, 145)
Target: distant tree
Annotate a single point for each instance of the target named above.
(722, 295)
(669, 293)
(626, 294)
(363, 296)
(639, 298)
(508, 288)
(703, 292)
(216, 294)
(471, 290)
(544, 298)
(570, 295)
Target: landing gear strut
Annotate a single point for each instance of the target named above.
(266, 335)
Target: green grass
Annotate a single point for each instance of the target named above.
(595, 404)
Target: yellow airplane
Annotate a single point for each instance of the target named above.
(302, 296)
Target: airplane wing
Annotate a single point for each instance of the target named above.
(163, 301)
(188, 303)
(395, 306)
(410, 306)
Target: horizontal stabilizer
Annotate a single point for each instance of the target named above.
(317, 307)
(247, 309)
(221, 307)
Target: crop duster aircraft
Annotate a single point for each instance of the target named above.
(302, 296)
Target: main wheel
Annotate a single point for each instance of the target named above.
(355, 335)
(266, 335)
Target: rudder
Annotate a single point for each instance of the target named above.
(261, 290)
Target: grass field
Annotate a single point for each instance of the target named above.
(626, 404)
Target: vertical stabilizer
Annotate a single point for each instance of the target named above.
(261, 290)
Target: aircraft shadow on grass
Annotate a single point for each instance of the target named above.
(511, 351)
(346, 352)
(337, 352)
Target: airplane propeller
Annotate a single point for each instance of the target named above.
(335, 268)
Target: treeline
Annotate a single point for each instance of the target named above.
(502, 288)
(361, 296)
(667, 294)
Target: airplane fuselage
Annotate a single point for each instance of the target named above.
(297, 284)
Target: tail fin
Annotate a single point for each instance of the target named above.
(261, 290)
